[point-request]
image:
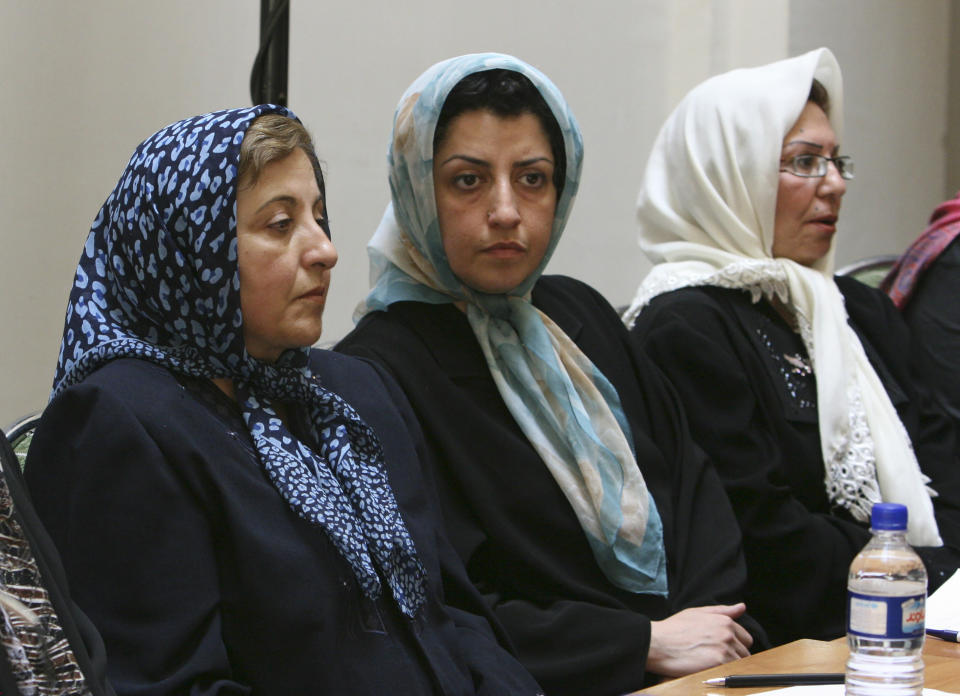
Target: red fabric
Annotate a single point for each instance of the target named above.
(943, 228)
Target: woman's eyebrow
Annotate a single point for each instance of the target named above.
(283, 198)
(483, 163)
(287, 199)
(466, 158)
(532, 160)
(804, 142)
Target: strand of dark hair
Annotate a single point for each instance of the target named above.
(504, 93)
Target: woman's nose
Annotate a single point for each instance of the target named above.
(319, 249)
(832, 183)
(503, 210)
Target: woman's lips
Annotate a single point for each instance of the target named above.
(505, 249)
(828, 223)
(315, 294)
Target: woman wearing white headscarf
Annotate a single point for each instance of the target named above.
(532, 402)
(796, 383)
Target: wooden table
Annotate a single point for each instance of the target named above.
(941, 660)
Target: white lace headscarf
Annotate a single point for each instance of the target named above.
(706, 210)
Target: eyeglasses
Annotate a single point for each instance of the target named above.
(816, 165)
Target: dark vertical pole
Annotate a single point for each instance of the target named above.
(268, 81)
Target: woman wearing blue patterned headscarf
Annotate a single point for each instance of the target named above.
(239, 513)
(537, 412)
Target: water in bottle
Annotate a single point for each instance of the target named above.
(886, 594)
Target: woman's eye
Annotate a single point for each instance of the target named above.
(806, 163)
(466, 181)
(533, 178)
(281, 225)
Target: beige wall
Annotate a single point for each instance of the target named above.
(622, 69)
(84, 82)
(953, 105)
(896, 62)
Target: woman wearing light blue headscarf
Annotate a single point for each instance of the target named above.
(239, 513)
(529, 395)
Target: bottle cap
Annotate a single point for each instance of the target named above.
(888, 516)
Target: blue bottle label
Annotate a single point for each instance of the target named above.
(873, 616)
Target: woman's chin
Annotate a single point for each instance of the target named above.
(495, 284)
(269, 349)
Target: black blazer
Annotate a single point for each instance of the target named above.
(200, 577)
(752, 406)
(519, 538)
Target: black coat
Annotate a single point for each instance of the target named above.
(754, 411)
(933, 315)
(200, 577)
(518, 536)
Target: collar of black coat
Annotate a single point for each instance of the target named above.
(446, 332)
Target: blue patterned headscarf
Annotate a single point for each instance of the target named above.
(158, 281)
(565, 406)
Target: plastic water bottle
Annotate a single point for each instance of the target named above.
(886, 596)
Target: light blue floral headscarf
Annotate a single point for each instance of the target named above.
(158, 281)
(567, 409)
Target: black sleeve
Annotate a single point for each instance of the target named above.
(577, 646)
(136, 544)
(797, 559)
(495, 671)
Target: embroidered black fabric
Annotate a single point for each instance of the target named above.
(38, 646)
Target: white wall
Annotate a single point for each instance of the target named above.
(84, 82)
